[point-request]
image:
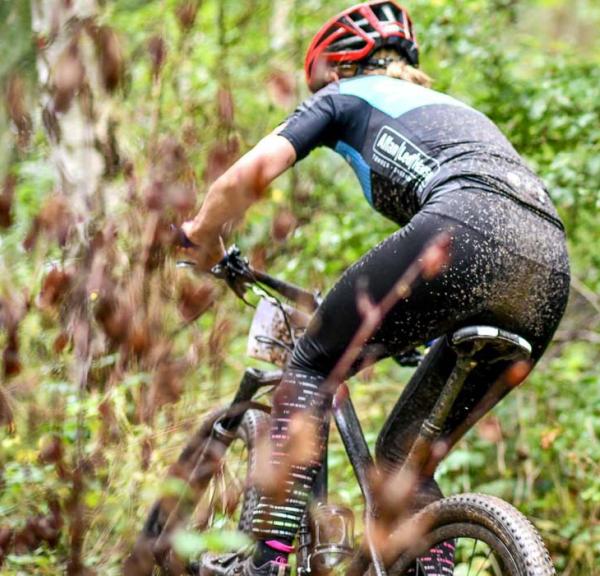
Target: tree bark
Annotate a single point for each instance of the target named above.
(76, 108)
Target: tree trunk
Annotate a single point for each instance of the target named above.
(78, 63)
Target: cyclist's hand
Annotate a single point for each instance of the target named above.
(206, 254)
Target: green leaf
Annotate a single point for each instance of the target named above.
(189, 544)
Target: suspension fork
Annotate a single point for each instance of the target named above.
(253, 380)
(224, 429)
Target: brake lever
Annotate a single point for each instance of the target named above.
(235, 271)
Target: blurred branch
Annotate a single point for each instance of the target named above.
(79, 64)
(428, 265)
(590, 297)
(581, 335)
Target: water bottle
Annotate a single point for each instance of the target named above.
(332, 537)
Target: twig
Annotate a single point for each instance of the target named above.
(427, 265)
(592, 298)
(585, 335)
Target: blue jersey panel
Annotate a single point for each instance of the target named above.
(394, 97)
(359, 165)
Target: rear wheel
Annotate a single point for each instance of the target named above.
(490, 537)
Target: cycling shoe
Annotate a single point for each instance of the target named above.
(237, 565)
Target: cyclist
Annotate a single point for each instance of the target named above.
(433, 165)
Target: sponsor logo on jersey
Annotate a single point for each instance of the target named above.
(399, 155)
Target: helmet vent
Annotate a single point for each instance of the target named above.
(352, 42)
(328, 33)
(388, 13)
(360, 21)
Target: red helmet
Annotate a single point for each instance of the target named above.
(356, 33)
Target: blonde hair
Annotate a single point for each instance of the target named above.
(399, 68)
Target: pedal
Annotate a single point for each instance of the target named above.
(217, 564)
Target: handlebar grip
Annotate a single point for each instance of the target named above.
(181, 238)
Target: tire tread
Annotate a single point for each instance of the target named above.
(504, 520)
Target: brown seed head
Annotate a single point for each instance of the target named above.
(517, 373)
(225, 106)
(220, 157)
(490, 430)
(194, 299)
(157, 49)
(108, 47)
(281, 87)
(51, 450)
(69, 77)
(55, 287)
(17, 108)
(186, 14)
(6, 201)
(283, 225)
(436, 257)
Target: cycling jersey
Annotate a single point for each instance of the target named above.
(408, 143)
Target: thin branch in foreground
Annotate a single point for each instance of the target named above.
(427, 266)
(588, 295)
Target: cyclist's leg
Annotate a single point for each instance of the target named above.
(483, 389)
(537, 302)
(433, 308)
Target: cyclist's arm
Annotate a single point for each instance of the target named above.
(230, 196)
(234, 192)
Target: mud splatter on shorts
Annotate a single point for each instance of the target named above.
(508, 267)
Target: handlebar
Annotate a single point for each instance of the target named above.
(237, 273)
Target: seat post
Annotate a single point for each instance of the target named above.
(432, 427)
(473, 345)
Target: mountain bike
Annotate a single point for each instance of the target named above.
(220, 463)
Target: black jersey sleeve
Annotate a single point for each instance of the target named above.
(313, 123)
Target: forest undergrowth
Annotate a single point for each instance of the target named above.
(112, 127)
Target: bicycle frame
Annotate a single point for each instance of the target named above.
(238, 275)
(350, 431)
(355, 445)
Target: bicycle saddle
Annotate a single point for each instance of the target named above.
(490, 344)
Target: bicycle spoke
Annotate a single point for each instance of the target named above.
(472, 556)
(211, 506)
(234, 477)
(232, 487)
(224, 494)
(484, 563)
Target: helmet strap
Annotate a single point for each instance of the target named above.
(376, 63)
(350, 69)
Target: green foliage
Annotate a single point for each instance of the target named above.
(192, 544)
(509, 59)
